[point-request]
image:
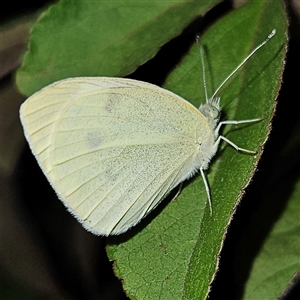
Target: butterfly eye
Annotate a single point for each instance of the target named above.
(214, 112)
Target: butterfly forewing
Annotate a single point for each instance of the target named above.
(112, 148)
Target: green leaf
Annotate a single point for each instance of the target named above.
(277, 261)
(175, 256)
(101, 38)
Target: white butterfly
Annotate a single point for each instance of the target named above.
(114, 148)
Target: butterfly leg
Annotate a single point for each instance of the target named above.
(207, 189)
(234, 122)
(178, 192)
(221, 137)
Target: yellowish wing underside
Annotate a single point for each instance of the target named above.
(111, 148)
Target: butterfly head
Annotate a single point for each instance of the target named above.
(211, 109)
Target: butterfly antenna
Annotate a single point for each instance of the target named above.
(203, 68)
(252, 52)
